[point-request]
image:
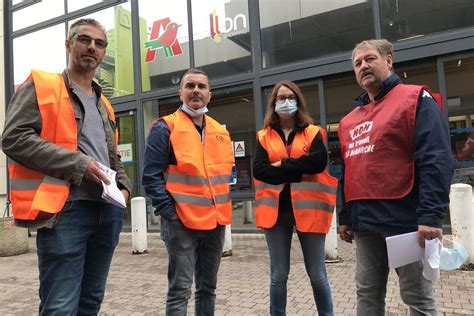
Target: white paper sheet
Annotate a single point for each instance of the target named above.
(403, 249)
(111, 192)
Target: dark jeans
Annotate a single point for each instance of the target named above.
(74, 258)
(279, 244)
(192, 253)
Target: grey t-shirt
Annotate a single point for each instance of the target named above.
(92, 141)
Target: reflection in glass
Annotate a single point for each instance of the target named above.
(222, 45)
(30, 52)
(127, 149)
(298, 30)
(235, 109)
(74, 5)
(407, 19)
(339, 92)
(115, 74)
(36, 13)
(459, 74)
(164, 43)
(311, 95)
(419, 72)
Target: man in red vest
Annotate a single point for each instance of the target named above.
(58, 128)
(397, 174)
(187, 167)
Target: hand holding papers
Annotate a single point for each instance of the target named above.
(111, 192)
(404, 249)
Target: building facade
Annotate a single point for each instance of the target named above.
(246, 46)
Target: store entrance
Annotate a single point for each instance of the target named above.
(127, 147)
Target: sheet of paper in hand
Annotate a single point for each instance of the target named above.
(112, 193)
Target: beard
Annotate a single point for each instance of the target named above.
(87, 66)
(86, 62)
(372, 82)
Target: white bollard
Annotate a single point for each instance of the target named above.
(248, 212)
(330, 247)
(227, 250)
(462, 217)
(139, 230)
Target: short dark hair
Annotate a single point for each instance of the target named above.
(193, 71)
(302, 117)
(85, 21)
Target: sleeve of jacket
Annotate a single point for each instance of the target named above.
(123, 181)
(158, 155)
(22, 143)
(344, 212)
(433, 160)
(264, 171)
(315, 162)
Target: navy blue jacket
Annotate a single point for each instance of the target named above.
(428, 201)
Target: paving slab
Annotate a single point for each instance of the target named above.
(137, 284)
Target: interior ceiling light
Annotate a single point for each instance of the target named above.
(459, 62)
(405, 75)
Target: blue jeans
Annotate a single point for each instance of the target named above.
(372, 275)
(74, 257)
(279, 244)
(191, 253)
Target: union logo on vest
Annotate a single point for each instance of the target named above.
(361, 129)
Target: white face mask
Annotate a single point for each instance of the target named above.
(286, 109)
(192, 112)
(448, 259)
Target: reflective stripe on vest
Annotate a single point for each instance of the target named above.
(199, 183)
(33, 193)
(313, 198)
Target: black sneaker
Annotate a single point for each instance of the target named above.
(227, 253)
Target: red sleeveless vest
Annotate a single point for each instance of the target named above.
(377, 143)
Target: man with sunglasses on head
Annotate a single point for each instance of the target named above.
(59, 130)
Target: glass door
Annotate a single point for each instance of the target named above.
(459, 76)
(127, 147)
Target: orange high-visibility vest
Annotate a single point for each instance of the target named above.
(313, 198)
(32, 193)
(199, 183)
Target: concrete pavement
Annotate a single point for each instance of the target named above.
(137, 283)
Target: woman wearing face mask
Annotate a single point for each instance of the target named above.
(293, 189)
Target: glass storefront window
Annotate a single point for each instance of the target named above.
(128, 150)
(459, 74)
(30, 52)
(74, 5)
(36, 13)
(115, 74)
(407, 19)
(221, 33)
(164, 43)
(419, 72)
(339, 91)
(311, 96)
(302, 29)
